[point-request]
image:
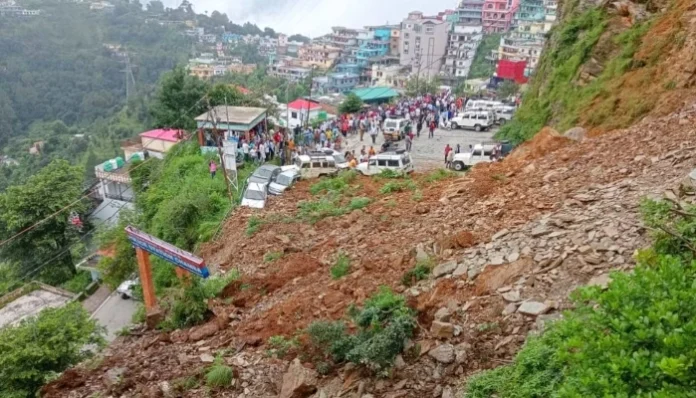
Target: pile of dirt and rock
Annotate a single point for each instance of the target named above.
(509, 241)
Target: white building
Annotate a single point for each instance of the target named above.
(423, 44)
(390, 76)
(461, 49)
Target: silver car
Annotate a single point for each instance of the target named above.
(283, 182)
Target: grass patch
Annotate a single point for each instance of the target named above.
(341, 268)
(418, 273)
(213, 286)
(481, 67)
(417, 196)
(329, 206)
(391, 174)
(253, 225)
(391, 204)
(439, 175)
(219, 375)
(280, 347)
(272, 256)
(338, 184)
(183, 384)
(397, 186)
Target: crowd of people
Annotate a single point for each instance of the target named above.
(428, 111)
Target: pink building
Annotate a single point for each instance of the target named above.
(497, 15)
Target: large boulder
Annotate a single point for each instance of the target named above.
(576, 133)
(444, 269)
(298, 381)
(204, 331)
(443, 353)
(441, 330)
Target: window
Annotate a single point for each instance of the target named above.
(406, 35)
(483, 116)
(477, 152)
(381, 162)
(316, 163)
(393, 163)
(406, 160)
(293, 115)
(373, 162)
(331, 163)
(418, 28)
(429, 29)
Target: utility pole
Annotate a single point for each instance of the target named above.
(212, 117)
(311, 85)
(130, 79)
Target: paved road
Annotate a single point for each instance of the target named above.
(115, 313)
(428, 153)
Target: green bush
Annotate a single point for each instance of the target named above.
(384, 323)
(219, 375)
(43, 345)
(78, 283)
(391, 174)
(420, 272)
(358, 203)
(189, 307)
(183, 384)
(213, 286)
(634, 339)
(439, 175)
(341, 268)
(328, 206)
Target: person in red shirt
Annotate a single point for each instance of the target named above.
(432, 129)
(448, 148)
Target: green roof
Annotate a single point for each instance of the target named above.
(375, 93)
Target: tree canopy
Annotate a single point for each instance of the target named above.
(351, 104)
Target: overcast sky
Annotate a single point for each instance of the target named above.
(316, 17)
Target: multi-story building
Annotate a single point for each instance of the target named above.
(498, 15)
(423, 44)
(529, 11)
(321, 56)
(289, 72)
(390, 33)
(461, 49)
(470, 12)
(389, 75)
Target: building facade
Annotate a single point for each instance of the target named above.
(461, 49)
(423, 44)
(470, 12)
(320, 56)
(288, 72)
(498, 15)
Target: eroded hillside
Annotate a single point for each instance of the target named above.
(608, 64)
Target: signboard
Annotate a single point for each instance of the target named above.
(230, 151)
(168, 252)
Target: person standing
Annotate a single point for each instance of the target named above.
(431, 132)
(245, 150)
(448, 149)
(450, 159)
(409, 141)
(212, 166)
(373, 132)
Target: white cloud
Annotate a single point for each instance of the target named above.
(316, 17)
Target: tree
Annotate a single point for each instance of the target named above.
(507, 89)
(42, 346)
(44, 248)
(179, 100)
(268, 32)
(351, 104)
(300, 38)
(155, 7)
(417, 86)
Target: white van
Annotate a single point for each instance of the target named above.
(477, 120)
(314, 166)
(483, 105)
(399, 162)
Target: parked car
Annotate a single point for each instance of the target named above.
(481, 153)
(127, 287)
(399, 161)
(395, 129)
(340, 160)
(504, 114)
(284, 181)
(477, 120)
(255, 195)
(265, 174)
(317, 165)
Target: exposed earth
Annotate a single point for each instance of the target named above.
(510, 241)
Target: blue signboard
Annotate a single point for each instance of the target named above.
(168, 252)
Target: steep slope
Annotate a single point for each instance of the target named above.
(608, 64)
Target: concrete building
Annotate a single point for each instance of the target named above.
(158, 142)
(321, 56)
(423, 44)
(298, 110)
(470, 12)
(288, 72)
(498, 15)
(461, 49)
(394, 76)
(29, 300)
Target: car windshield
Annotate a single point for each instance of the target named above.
(263, 173)
(253, 195)
(339, 158)
(284, 180)
(390, 124)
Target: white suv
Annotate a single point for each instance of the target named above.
(477, 120)
(399, 161)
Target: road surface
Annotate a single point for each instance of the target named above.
(427, 153)
(114, 314)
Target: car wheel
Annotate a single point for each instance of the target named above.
(458, 166)
(454, 126)
(125, 296)
(477, 127)
(501, 122)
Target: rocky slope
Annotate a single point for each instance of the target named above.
(510, 241)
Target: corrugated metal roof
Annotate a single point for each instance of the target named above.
(375, 93)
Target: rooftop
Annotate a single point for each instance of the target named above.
(303, 104)
(232, 114)
(375, 93)
(170, 135)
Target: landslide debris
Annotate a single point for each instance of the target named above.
(510, 241)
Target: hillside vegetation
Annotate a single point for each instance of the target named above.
(607, 66)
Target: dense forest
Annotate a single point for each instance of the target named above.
(64, 83)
